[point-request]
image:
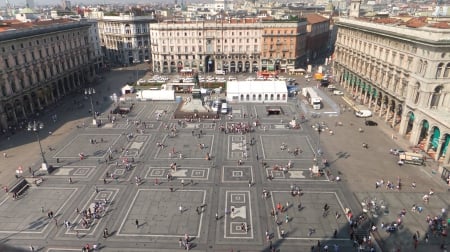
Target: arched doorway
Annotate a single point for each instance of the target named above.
(444, 146)
(10, 118)
(27, 105)
(247, 66)
(173, 67)
(165, 67)
(255, 66)
(210, 64)
(239, 66)
(18, 109)
(409, 126)
(423, 134)
(226, 67)
(233, 67)
(179, 66)
(434, 139)
(398, 114)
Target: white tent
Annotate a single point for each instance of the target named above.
(127, 89)
(257, 91)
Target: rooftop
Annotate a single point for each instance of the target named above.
(12, 25)
(314, 18)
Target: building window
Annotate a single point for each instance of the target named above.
(439, 70)
(435, 98)
(447, 71)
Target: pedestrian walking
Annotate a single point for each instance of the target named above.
(287, 218)
(70, 180)
(96, 189)
(180, 241)
(180, 208)
(31, 248)
(105, 233)
(182, 182)
(137, 223)
(249, 183)
(217, 216)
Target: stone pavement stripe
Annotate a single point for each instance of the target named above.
(246, 221)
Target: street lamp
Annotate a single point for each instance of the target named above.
(89, 92)
(36, 127)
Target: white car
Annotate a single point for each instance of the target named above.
(363, 113)
(338, 92)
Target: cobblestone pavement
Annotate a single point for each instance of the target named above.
(219, 203)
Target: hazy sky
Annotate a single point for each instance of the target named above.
(89, 2)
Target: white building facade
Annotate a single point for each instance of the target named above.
(402, 74)
(206, 46)
(40, 65)
(125, 39)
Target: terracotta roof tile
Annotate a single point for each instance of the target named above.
(313, 18)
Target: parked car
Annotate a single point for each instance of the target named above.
(396, 152)
(363, 113)
(371, 123)
(338, 92)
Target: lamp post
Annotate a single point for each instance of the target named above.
(89, 92)
(36, 127)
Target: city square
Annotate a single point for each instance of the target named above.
(149, 196)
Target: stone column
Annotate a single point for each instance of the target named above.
(394, 116)
(381, 105)
(439, 147)
(403, 123)
(388, 110)
(447, 157)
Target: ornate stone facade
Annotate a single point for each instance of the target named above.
(234, 45)
(402, 74)
(40, 64)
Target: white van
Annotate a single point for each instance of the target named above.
(363, 113)
(220, 72)
(224, 109)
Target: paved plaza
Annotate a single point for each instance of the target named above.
(171, 188)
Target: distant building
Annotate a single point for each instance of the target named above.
(125, 39)
(233, 45)
(401, 71)
(41, 62)
(283, 44)
(318, 36)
